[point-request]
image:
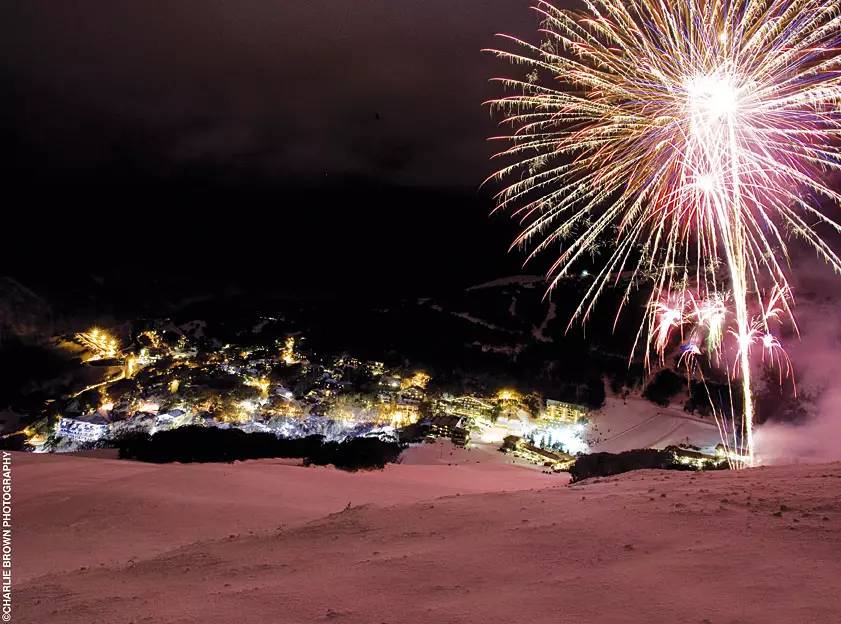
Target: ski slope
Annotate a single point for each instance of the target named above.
(633, 423)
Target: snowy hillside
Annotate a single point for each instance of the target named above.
(108, 541)
(633, 423)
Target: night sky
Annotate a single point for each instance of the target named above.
(323, 144)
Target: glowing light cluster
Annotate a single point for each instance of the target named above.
(697, 136)
(260, 383)
(287, 353)
(420, 379)
(508, 395)
(101, 344)
(570, 438)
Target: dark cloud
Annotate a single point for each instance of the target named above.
(366, 87)
(202, 137)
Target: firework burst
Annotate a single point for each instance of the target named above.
(695, 135)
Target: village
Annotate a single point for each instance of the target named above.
(164, 378)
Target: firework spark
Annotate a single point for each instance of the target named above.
(697, 135)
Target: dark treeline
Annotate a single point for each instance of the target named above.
(14, 442)
(211, 444)
(606, 464)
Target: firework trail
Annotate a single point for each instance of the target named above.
(698, 135)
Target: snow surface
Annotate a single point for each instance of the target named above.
(539, 333)
(111, 541)
(634, 423)
(62, 501)
(520, 280)
(479, 457)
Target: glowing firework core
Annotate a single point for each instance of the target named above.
(711, 97)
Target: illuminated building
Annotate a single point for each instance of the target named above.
(560, 412)
(460, 436)
(698, 459)
(467, 406)
(453, 427)
(557, 460)
(172, 418)
(411, 394)
(84, 428)
(375, 369)
(346, 361)
(401, 415)
(149, 407)
(443, 426)
(102, 344)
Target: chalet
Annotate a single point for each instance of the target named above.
(83, 428)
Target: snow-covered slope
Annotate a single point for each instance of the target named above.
(263, 542)
(72, 511)
(633, 423)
